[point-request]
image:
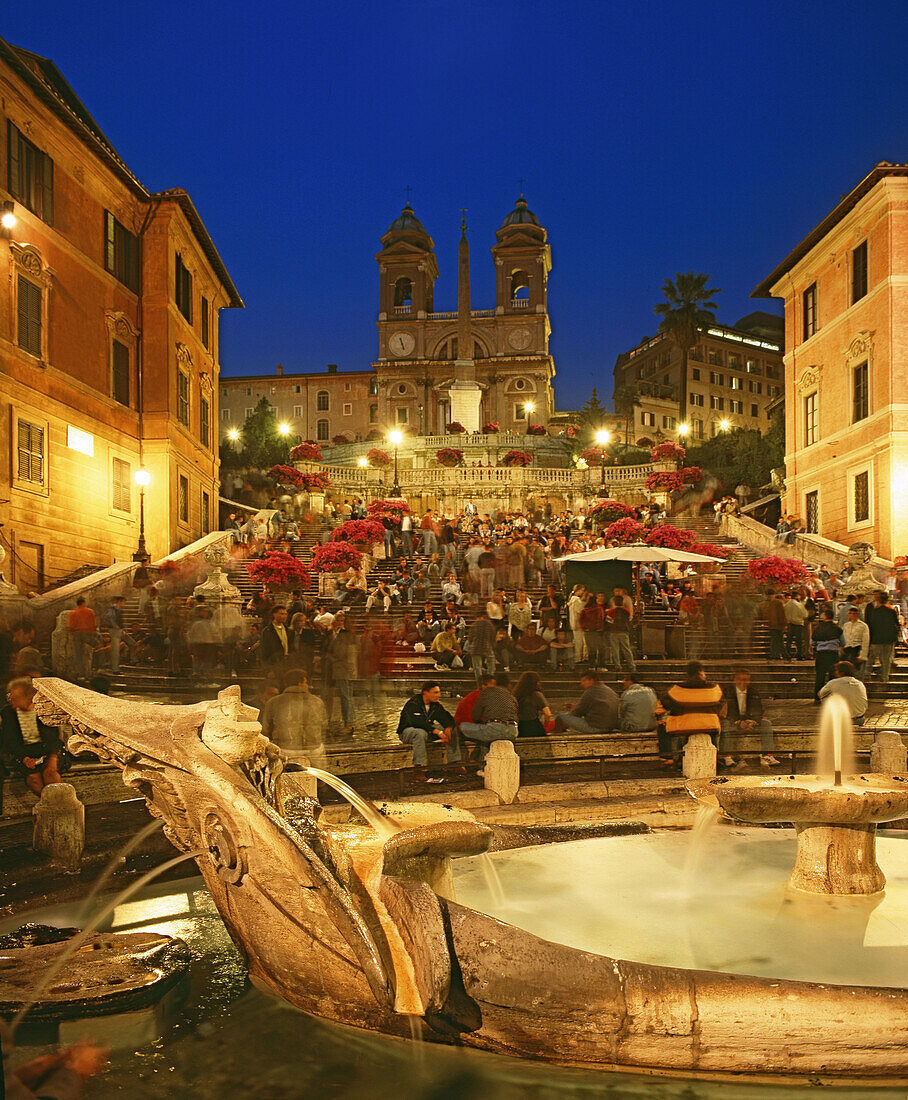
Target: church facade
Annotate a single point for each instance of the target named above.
(434, 367)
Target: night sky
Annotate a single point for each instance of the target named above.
(653, 137)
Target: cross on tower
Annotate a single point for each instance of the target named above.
(521, 181)
(463, 217)
(408, 189)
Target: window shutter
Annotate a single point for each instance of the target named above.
(13, 160)
(109, 245)
(30, 452)
(120, 373)
(131, 249)
(47, 188)
(29, 316)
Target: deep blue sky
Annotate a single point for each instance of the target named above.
(653, 137)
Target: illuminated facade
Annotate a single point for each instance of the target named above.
(845, 288)
(108, 342)
(734, 374)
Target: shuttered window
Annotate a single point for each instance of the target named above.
(206, 513)
(862, 497)
(183, 398)
(183, 499)
(121, 252)
(204, 321)
(183, 289)
(122, 481)
(120, 373)
(30, 452)
(29, 316)
(204, 422)
(29, 174)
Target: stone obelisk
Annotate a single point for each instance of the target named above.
(465, 392)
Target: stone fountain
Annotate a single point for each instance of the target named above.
(835, 815)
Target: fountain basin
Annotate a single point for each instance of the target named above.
(835, 823)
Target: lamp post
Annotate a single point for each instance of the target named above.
(395, 438)
(530, 408)
(724, 425)
(602, 439)
(683, 430)
(143, 477)
(284, 429)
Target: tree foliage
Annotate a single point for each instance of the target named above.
(261, 444)
(743, 455)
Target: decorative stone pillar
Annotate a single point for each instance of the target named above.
(888, 755)
(216, 588)
(699, 757)
(60, 825)
(502, 771)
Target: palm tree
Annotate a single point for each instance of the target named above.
(686, 311)
(625, 399)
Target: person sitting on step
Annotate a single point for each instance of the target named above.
(744, 714)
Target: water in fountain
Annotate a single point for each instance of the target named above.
(113, 863)
(835, 750)
(493, 880)
(77, 941)
(384, 826)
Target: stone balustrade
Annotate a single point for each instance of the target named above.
(813, 550)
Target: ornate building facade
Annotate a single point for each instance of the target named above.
(503, 350)
(845, 288)
(109, 342)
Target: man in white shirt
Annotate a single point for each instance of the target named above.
(857, 637)
(406, 535)
(796, 617)
(851, 689)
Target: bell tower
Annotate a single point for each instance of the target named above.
(523, 261)
(407, 270)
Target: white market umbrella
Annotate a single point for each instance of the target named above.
(640, 552)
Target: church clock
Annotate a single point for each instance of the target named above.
(401, 343)
(520, 338)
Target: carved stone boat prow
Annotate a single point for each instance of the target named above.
(338, 922)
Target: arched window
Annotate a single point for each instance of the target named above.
(520, 285)
(403, 293)
(321, 430)
(321, 401)
(373, 387)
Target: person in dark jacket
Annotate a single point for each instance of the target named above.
(744, 714)
(883, 621)
(274, 641)
(423, 717)
(32, 747)
(828, 643)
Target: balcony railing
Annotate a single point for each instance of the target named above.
(403, 309)
(463, 477)
(520, 303)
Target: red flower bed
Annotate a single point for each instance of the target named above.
(279, 570)
(491, 428)
(645, 441)
(286, 475)
(668, 452)
(594, 456)
(625, 530)
(449, 456)
(709, 550)
(377, 458)
(340, 439)
(671, 537)
(306, 452)
(608, 511)
(314, 483)
(664, 481)
(394, 510)
(456, 428)
(691, 473)
(536, 429)
(359, 530)
(336, 557)
(780, 572)
(517, 458)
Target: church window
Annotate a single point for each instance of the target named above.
(373, 387)
(402, 415)
(401, 389)
(520, 412)
(520, 384)
(321, 430)
(373, 413)
(403, 294)
(321, 401)
(348, 408)
(520, 286)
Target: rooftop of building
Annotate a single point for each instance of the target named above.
(331, 371)
(52, 88)
(848, 202)
(750, 331)
(521, 215)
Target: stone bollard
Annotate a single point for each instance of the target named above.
(60, 825)
(699, 757)
(888, 755)
(502, 771)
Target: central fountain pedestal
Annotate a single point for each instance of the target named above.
(836, 859)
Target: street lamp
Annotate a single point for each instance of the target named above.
(602, 439)
(724, 425)
(284, 429)
(233, 435)
(143, 478)
(7, 217)
(529, 407)
(395, 438)
(683, 429)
